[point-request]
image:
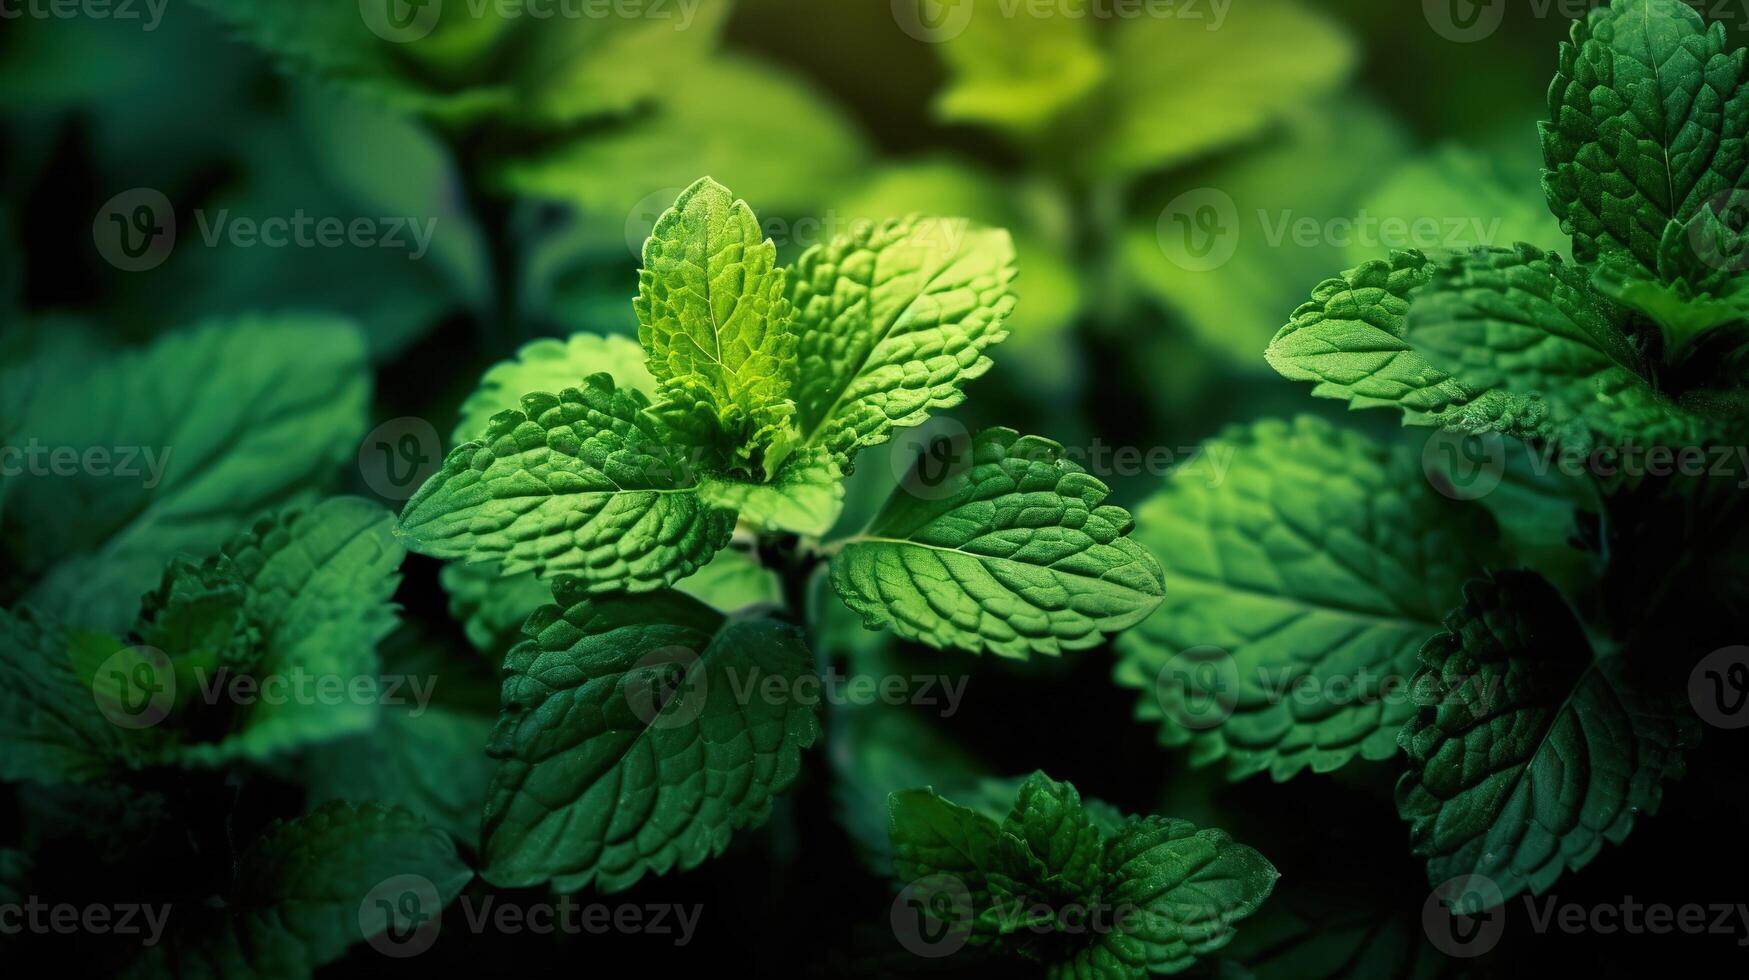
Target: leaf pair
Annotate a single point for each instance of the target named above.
(1071, 885)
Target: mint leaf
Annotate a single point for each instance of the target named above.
(318, 591)
(202, 431)
(430, 761)
(1512, 340)
(1351, 341)
(1648, 121)
(307, 889)
(50, 727)
(1542, 352)
(638, 734)
(1158, 111)
(804, 496)
(732, 581)
(583, 482)
(892, 320)
(490, 605)
(1180, 889)
(1018, 73)
(1574, 749)
(1299, 587)
(1016, 553)
(720, 116)
(552, 365)
(713, 315)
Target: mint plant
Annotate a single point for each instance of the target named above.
(1328, 604)
(756, 390)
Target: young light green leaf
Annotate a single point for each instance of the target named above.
(638, 734)
(1299, 586)
(553, 365)
(310, 888)
(1574, 749)
(1018, 73)
(1169, 97)
(805, 496)
(893, 319)
(197, 435)
(1016, 553)
(1649, 118)
(720, 116)
(583, 482)
(713, 315)
(318, 590)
